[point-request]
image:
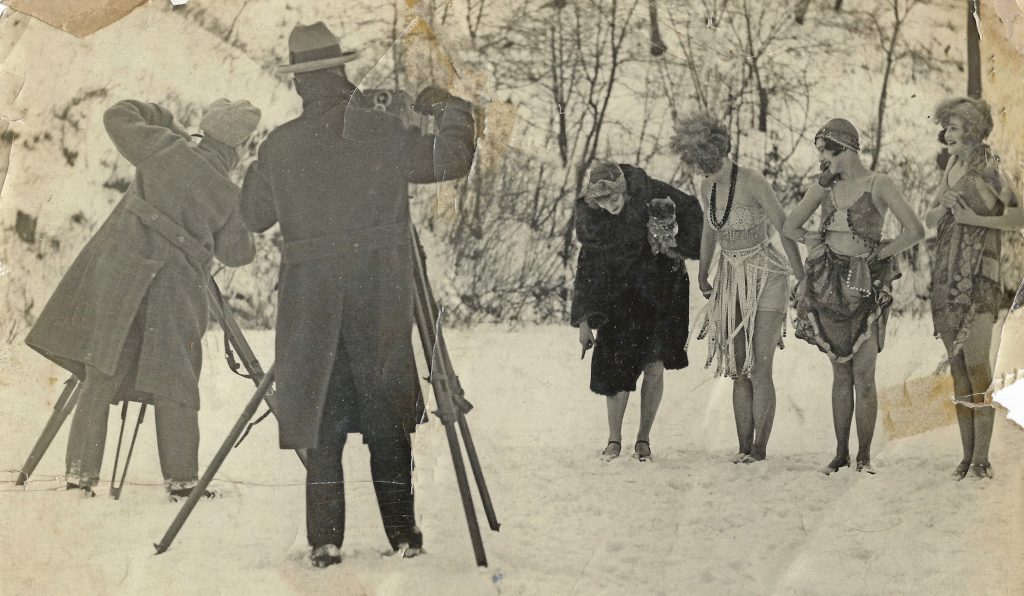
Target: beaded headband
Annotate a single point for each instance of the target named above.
(851, 143)
(840, 132)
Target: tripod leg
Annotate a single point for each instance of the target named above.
(222, 314)
(61, 410)
(218, 460)
(478, 474)
(117, 454)
(127, 460)
(467, 497)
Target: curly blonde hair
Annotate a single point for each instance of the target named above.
(974, 113)
(701, 140)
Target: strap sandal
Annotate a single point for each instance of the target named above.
(612, 451)
(982, 471)
(836, 463)
(642, 454)
(865, 466)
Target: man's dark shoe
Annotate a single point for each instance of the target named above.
(325, 555)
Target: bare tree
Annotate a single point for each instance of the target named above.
(888, 26)
(560, 64)
(748, 65)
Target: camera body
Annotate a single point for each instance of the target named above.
(398, 103)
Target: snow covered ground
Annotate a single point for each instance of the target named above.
(690, 522)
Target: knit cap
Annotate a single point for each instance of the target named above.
(231, 122)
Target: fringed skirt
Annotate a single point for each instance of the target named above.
(843, 301)
(749, 280)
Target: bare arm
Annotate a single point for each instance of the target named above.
(793, 227)
(912, 230)
(708, 240)
(943, 202)
(777, 216)
(1012, 218)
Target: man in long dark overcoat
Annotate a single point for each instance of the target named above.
(336, 178)
(128, 316)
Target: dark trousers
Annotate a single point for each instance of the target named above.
(177, 425)
(177, 435)
(390, 468)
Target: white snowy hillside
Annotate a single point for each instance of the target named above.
(502, 257)
(514, 212)
(689, 522)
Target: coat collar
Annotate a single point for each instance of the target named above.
(218, 153)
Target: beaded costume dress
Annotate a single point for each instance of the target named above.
(748, 280)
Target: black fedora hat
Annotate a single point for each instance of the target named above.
(314, 47)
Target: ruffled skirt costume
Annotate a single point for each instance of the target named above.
(844, 301)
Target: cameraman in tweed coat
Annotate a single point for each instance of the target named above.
(128, 316)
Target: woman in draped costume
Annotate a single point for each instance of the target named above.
(972, 205)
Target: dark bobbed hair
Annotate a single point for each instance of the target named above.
(833, 147)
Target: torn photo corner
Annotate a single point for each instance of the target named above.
(348, 214)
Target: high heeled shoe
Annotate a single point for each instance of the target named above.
(642, 454)
(982, 471)
(836, 463)
(612, 451)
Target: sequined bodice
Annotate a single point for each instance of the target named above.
(862, 218)
(744, 222)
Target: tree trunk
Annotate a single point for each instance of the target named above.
(800, 11)
(973, 49)
(883, 95)
(657, 43)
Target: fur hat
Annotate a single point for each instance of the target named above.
(841, 132)
(230, 122)
(605, 179)
(314, 47)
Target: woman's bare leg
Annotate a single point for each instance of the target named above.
(842, 413)
(743, 402)
(979, 370)
(616, 412)
(964, 415)
(767, 330)
(867, 399)
(651, 390)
